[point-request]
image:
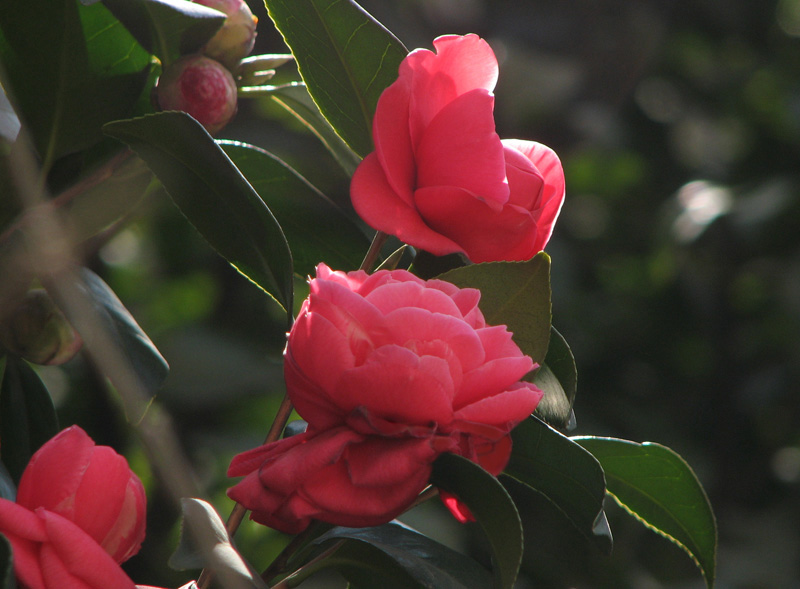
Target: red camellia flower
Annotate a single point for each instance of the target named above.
(80, 511)
(440, 178)
(389, 371)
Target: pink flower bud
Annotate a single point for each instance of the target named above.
(201, 87)
(237, 36)
(38, 331)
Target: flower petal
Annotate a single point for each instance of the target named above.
(382, 208)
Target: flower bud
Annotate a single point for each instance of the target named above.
(199, 86)
(237, 36)
(38, 331)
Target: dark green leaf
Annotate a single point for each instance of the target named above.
(27, 416)
(492, 507)
(144, 357)
(556, 554)
(204, 542)
(102, 204)
(6, 565)
(564, 473)
(8, 490)
(657, 487)
(295, 99)
(317, 229)
(70, 69)
(167, 28)
(516, 294)
(214, 196)
(558, 379)
(346, 58)
(423, 562)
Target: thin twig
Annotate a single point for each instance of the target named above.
(374, 249)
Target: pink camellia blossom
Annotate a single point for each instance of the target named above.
(80, 511)
(440, 178)
(389, 371)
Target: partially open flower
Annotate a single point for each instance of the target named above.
(38, 331)
(201, 87)
(237, 36)
(80, 511)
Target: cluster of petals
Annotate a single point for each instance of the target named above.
(79, 512)
(389, 371)
(440, 178)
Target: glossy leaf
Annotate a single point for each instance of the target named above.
(71, 68)
(27, 416)
(294, 97)
(563, 472)
(657, 487)
(6, 564)
(516, 294)
(492, 507)
(404, 557)
(204, 542)
(214, 196)
(167, 28)
(317, 229)
(346, 58)
(8, 490)
(558, 379)
(145, 359)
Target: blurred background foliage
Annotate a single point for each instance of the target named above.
(676, 269)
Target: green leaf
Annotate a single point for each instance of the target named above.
(214, 196)
(346, 58)
(145, 359)
(492, 507)
(8, 490)
(70, 69)
(204, 542)
(402, 557)
(563, 472)
(167, 28)
(516, 294)
(104, 203)
(317, 229)
(27, 415)
(7, 579)
(294, 97)
(657, 487)
(558, 379)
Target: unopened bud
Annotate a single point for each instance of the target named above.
(237, 36)
(38, 331)
(199, 86)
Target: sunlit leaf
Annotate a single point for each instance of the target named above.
(492, 507)
(317, 229)
(516, 294)
(396, 555)
(70, 69)
(204, 542)
(558, 379)
(295, 99)
(657, 487)
(27, 416)
(214, 196)
(564, 473)
(167, 28)
(346, 58)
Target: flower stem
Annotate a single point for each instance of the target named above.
(374, 249)
(239, 511)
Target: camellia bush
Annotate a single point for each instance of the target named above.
(422, 366)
